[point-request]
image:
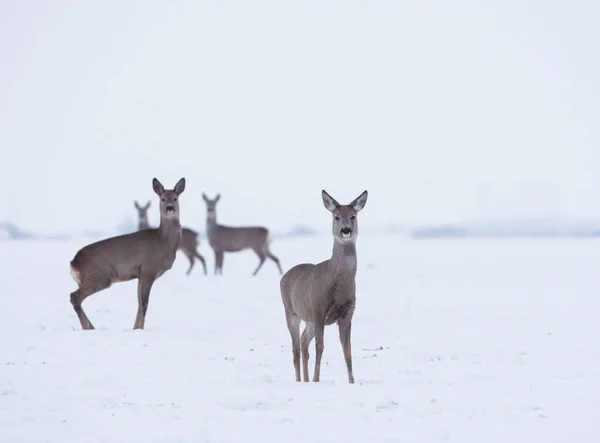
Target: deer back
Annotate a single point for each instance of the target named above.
(189, 240)
(232, 239)
(149, 252)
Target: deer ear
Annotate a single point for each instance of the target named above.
(157, 186)
(204, 197)
(360, 201)
(147, 205)
(136, 204)
(330, 203)
(217, 198)
(180, 186)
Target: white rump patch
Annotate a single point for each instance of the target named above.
(75, 275)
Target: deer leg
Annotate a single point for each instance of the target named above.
(221, 259)
(77, 298)
(345, 327)
(144, 286)
(190, 257)
(218, 262)
(81, 294)
(262, 257)
(319, 345)
(275, 259)
(199, 257)
(293, 323)
(307, 336)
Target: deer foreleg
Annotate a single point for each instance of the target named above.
(144, 286)
(293, 323)
(319, 345)
(307, 336)
(345, 327)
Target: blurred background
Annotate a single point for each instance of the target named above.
(459, 118)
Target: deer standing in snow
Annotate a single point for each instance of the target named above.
(233, 239)
(145, 255)
(324, 293)
(190, 240)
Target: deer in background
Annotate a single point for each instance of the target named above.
(233, 239)
(324, 293)
(190, 239)
(145, 255)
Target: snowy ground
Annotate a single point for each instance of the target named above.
(454, 340)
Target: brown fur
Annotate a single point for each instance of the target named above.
(324, 293)
(145, 255)
(229, 239)
(190, 240)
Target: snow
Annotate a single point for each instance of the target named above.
(453, 341)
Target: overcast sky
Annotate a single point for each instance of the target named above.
(444, 111)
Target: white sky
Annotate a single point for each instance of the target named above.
(444, 111)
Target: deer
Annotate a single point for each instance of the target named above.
(190, 240)
(142, 215)
(324, 293)
(145, 255)
(233, 239)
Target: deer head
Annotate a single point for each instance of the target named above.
(169, 204)
(345, 222)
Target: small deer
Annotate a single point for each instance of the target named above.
(190, 239)
(145, 255)
(233, 239)
(142, 215)
(324, 293)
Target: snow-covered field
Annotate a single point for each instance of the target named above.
(453, 340)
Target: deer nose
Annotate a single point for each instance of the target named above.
(346, 230)
(170, 208)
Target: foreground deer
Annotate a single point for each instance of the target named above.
(228, 239)
(189, 238)
(145, 255)
(325, 293)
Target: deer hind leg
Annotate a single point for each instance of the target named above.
(262, 257)
(307, 336)
(77, 297)
(218, 262)
(293, 324)
(273, 257)
(201, 258)
(190, 257)
(345, 326)
(144, 286)
(319, 345)
(276, 260)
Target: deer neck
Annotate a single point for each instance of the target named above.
(143, 224)
(211, 221)
(343, 260)
(170, 229)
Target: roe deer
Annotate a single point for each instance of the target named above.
(324, 293)
(145, 255)
(229, 239)
(189, 238)
(142, 215)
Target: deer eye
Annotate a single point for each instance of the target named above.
(163, 199)
(337, 218)
(353, 217)
(175, 199)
